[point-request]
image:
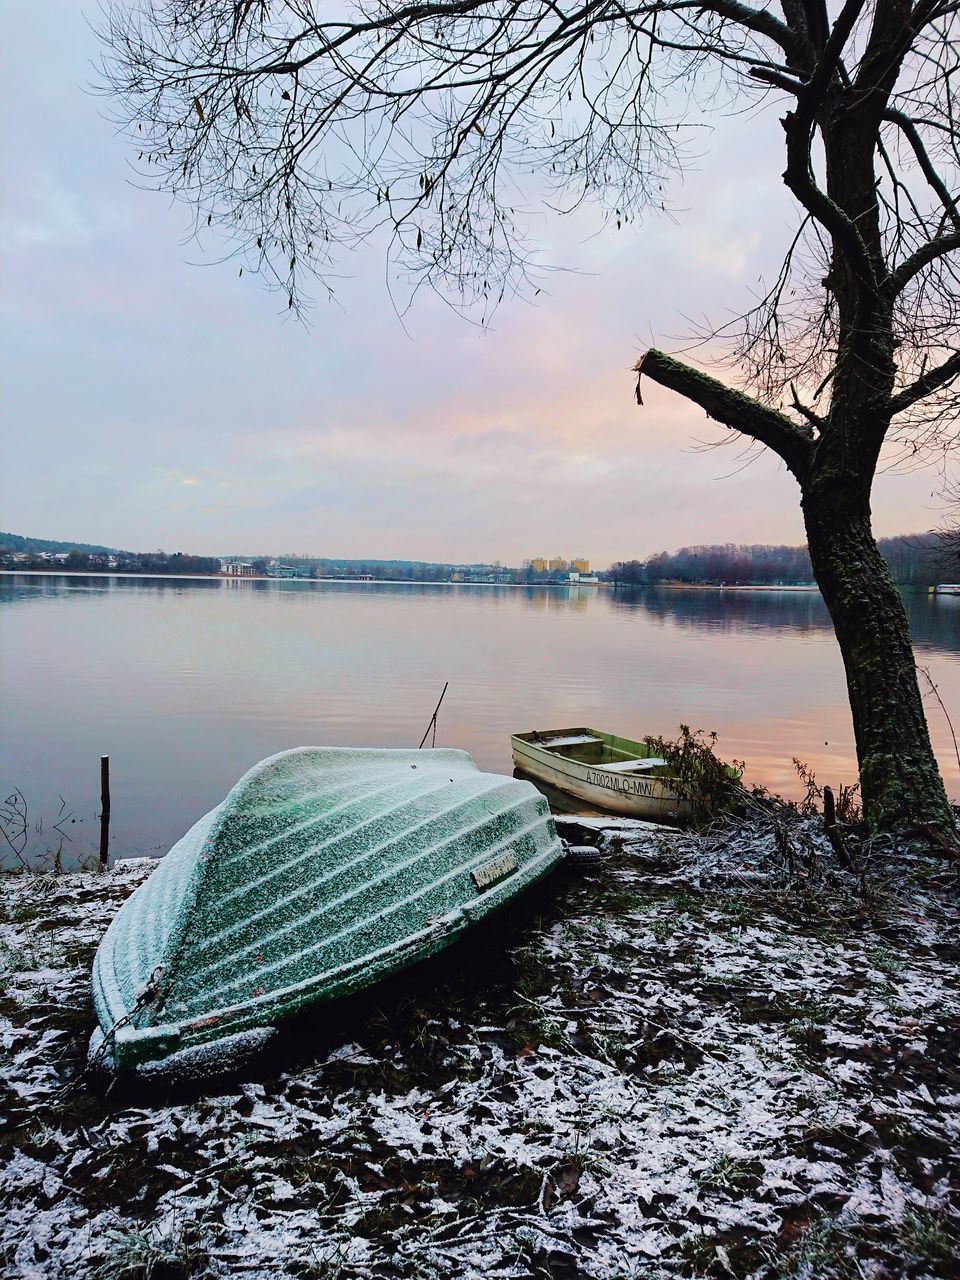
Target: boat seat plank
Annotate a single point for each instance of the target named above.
(634, 766)
(570, 740)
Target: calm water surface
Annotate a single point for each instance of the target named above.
(187, 683)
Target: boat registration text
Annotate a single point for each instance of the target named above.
(616, 782)
(491, 872)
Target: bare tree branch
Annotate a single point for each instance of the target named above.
(912, 134)
(926, 254)
(792, 441)
(927, 383)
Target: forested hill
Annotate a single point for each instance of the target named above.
(915, 560)
(16, 542)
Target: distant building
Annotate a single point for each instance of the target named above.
(560, 570)
(277, 570)
(236, 568)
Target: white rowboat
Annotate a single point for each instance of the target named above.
(607, 772)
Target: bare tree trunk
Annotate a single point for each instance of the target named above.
(899, 776)
(900, 780)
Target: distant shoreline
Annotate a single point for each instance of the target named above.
(252, 577)
(725, 586)
(417, 582)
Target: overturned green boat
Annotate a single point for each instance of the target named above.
(322, 871)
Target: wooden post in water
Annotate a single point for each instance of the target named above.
(104, 808)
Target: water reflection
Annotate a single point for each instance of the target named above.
(186, 683)
(21, 588)
(934, 620)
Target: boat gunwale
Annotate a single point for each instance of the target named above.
(535, 738)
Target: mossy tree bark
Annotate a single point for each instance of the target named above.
(899, 778)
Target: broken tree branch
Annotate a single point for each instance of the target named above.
(790, 440)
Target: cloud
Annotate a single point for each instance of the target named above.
(47, 215)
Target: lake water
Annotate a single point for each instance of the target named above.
(187, 683)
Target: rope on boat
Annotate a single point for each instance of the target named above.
(144, 996)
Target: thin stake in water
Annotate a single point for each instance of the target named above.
(433, 720)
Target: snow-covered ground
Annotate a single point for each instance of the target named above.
(701, 1057)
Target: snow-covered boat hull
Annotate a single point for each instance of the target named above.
(322, 871)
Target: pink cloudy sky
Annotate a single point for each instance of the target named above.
(154, 402)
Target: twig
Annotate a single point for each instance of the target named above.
(14, 824)
(939, 839)
(833, 834)
(925, 672)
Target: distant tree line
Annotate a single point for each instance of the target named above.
(17, 552)
(16, 542)
(384, 570)
(398, 570)
(160, 562)
(915, 560)
(949, 534)
(114, 562)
